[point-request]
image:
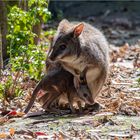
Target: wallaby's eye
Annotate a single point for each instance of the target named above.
(85, 95)
(62, 47)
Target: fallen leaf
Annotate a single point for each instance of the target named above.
(40, 133)
(3, 120)
(3, 135)
(12, 113)
(63, 136)
(28, 137)
(20, 114)
(12, 131)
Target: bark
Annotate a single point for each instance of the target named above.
(37, 26)
(3, 25)
(23, 4)
(1, 59)
(37, 31)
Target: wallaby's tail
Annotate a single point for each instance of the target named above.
(36, 90)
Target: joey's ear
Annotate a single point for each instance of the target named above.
(78, 29)
(83, 74)
(76, 83)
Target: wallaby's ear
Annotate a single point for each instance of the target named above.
(78, 29)
(64, 21)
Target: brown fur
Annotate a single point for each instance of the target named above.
(89, 49)
(58, 82)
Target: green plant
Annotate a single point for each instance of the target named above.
(24, 55)
(38, 9)
(26, 58)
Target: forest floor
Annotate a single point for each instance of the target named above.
(118, 117)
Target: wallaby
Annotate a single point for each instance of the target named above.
(78, 46)
(58, 82)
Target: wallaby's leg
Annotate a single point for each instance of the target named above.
(95, 80)
(96, 85)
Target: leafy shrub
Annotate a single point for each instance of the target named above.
(25, 57)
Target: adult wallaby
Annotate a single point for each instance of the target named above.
(78, 46)
(59, 82)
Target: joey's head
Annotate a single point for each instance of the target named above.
(85, 94)
(83, 90)
(66, 41)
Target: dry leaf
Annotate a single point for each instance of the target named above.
(3, 120)
(12, 131)
(3, 135)
(20, 114)
(40, 133)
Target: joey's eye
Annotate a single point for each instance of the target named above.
(81, 78)
(85, 95)
(62, 47)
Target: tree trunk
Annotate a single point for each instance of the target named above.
(1, 58)
(3, 25)
(37, 31)
(23, 4)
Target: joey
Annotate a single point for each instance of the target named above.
(78, 46)
(70, 95)
(48, 88)
(80, 84)
(56, 83)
